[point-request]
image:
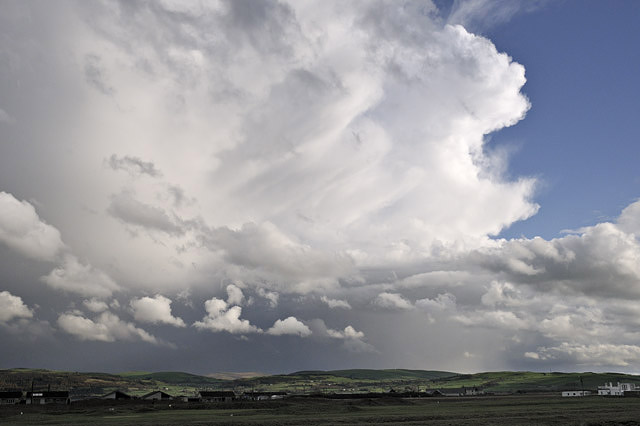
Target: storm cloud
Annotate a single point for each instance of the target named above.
(290, 182)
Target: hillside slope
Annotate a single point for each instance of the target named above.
(367, 374)
(337, 381)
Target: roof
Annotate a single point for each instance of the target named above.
(461, 390)
(217, 394)
(118, 394)
(162, 394)
(49, 394)
(11, 394)
(261, 393)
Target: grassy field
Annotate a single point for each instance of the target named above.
(508, 410)
(412, 380)
(88, 383)
(307, 382)
(173, 377)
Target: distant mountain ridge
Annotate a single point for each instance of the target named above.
(226, 375)
(372, 374)
(172, 377)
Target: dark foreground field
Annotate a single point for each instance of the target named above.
(508, 410)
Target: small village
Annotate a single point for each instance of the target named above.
(61, 397)
(609, 389)
(64, 397)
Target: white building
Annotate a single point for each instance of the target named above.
(618, 390)
(576, 393)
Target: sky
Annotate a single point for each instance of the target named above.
(275, 186)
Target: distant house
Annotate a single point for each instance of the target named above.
(187, 398)
(263, 396)
(157, 396)
(48, 397)
(116, 395)
(217, 396)
(620, 389)
(10, 397)
(463, 391)
(451, 391)
(576, 393)
(472, 391)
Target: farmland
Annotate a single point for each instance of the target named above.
(505, 410)
(370, 397)
(308, 382)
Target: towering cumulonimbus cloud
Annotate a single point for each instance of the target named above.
(239, 171)
(309, 140)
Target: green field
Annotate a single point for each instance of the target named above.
(505, 410)
(308, 382)
(341, 381)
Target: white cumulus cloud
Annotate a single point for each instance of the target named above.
(348, 333)
(393, 301)
(106, 327)
(12, 307)
(234, 295)
(271, 296)
(289, 326)
(221, 317)
(336, 303)
(75, 277)
(22, 230)
(155, 310)
(95, 305)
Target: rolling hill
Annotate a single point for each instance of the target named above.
(365, 374)
(336, 381)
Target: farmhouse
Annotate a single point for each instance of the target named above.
(217, 396)
(157, 396)
(472, 391)
(48, 397)
(187, 398)
(618, 390)
(576, 393)
(10, 397)
(263, 396)
(116, 394)
(463, 391)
